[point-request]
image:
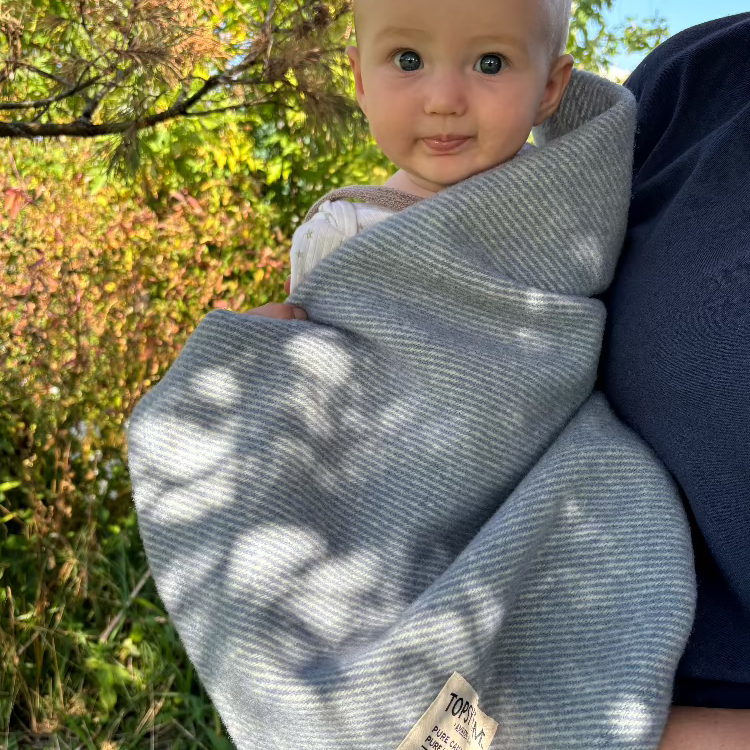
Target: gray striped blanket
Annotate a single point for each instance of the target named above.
(409, 522)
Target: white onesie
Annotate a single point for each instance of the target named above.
(328, 229)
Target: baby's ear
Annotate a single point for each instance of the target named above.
(559, 78)
(355, 62)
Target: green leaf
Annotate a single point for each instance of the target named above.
(273, 171)
(218, 742)
(82, 735)
(98, 183)
(148, 605)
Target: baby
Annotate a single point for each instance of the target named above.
(451, 88)
(422, 484)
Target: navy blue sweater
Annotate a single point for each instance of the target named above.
(676, 361)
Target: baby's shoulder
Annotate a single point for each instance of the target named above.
(340, 215)
(347, 216)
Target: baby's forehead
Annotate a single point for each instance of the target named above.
(545, 20)
(387, 11)
(384, 8)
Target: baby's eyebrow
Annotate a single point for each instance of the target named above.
(389, 31)
(504, 41)
(488, 40)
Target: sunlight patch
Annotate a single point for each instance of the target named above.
(327, 362)
(631, 719)
(216, 386)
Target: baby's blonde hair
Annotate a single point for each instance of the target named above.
(558, 21)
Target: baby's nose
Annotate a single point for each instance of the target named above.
(446, 94)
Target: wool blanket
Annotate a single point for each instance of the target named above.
(408, 522)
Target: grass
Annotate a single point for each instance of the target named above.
(88, 658)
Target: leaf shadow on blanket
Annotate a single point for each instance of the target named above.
(294, 583)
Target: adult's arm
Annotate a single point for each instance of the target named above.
(707, 729)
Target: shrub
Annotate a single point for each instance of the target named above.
(100, 292)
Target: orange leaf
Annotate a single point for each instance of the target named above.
(14, 202)
(197, 208)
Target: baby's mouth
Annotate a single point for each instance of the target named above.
(445, 144)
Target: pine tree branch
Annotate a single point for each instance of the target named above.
(265, 58)
(84, 128)
(52, 99)
(107, 88)
(39, 71)
(230, 108)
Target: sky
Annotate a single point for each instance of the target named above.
(680, 14)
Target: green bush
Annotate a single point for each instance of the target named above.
(100, 292)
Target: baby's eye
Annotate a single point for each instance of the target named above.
(490, 65)
(408, 61)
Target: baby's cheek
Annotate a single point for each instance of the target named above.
(394, 141)
(509, 138)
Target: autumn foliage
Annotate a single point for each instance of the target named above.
(100, 292)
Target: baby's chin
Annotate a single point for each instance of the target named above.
(435, 181)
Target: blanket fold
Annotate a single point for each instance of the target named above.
(342, 512)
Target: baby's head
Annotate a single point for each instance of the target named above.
(453, 87)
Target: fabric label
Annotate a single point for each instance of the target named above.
(452, 722)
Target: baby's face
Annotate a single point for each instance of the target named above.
(453, 87)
